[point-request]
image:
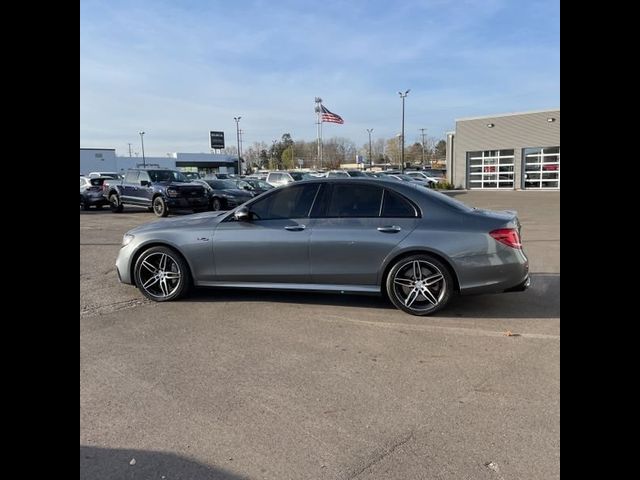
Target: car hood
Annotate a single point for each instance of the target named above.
(188, 221)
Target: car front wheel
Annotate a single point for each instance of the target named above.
(419, 284)
(161, 274)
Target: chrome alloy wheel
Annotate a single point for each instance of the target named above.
(419, 285)
(160, 275)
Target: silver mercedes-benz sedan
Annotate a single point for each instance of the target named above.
(352, 235)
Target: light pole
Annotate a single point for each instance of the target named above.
(144, 163)
(369, 130)
(422, 129)
(402, 95)
(237, 119)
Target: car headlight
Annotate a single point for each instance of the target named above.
(172, 192)
(126, 240)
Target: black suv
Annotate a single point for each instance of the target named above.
(160, 190)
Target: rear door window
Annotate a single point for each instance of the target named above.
(349, 200)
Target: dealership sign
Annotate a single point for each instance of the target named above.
(217, 139)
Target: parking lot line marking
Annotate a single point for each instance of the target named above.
(456, 330)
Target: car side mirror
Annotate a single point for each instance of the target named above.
(145, 183)
(242, 214)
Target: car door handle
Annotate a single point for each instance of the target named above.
(295, 228)
(389, 229)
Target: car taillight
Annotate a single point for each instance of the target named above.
(508, 236)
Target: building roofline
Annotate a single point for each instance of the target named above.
(98, 149)
(507, 114)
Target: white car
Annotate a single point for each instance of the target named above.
(278, 179)
(424, 176)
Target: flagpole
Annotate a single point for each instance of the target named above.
(321, 146)
(319, 113)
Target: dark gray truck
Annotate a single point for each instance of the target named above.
(160, 190)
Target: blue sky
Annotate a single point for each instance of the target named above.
(178, 69)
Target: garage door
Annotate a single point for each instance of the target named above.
(541, 168)
(490, 169)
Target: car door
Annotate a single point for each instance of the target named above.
(349, 236)
(127, 191)
(144, 191)
(272, 247)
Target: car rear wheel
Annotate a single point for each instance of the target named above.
(83, 202)
(419, 284)
(161, 274)
(159, 207)
(114, 203)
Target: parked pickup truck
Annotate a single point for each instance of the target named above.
(160, 190)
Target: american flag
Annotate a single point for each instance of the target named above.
(327, 116)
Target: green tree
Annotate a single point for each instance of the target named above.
(287, 158)
(413, 154)
(263, 158)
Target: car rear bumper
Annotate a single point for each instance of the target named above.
(507, 270)
(520, 287)
(97, 199)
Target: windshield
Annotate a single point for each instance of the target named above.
(451, 201)
(299, 175)
(262, 184)
(222, 184)
(434, 173)
(408, 178)
(166, 176)
(243, 185)
(356, 173)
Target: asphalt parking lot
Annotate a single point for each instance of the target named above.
(244, 385)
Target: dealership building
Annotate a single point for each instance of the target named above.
(106, 160)
(510, 151)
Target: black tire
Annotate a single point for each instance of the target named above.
(408, 286)
(115, 203)
(162, 275)
(160, 207)
(83, 202)
(216, 204)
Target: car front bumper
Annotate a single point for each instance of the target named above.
(182, 202)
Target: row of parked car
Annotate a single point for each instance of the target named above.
(162, 190)
(427, 178)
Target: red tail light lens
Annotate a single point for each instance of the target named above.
(508, 236)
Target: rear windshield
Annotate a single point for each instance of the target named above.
(299, 176)
(166, 176)
(452, 202)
